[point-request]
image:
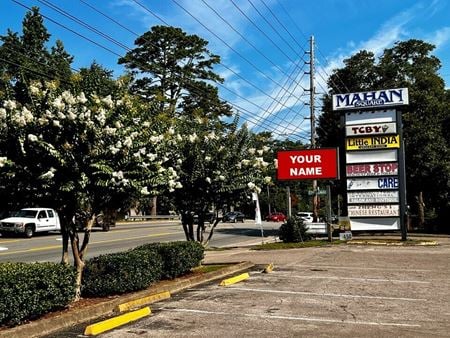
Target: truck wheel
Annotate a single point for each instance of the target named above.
(105, 227)
(29, 232)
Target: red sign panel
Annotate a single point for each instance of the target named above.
(308, 164)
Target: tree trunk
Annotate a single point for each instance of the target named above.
(211, 231)
(421, 210)
(153, 211)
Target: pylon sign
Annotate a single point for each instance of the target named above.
(373, 169)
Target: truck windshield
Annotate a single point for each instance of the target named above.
(26, 213)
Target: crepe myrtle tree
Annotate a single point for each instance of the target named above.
(75, 152)
(217, 167)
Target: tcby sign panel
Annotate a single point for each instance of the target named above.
(371, 129)
(308, 164)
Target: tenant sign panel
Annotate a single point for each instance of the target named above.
(321, 163)
(371, 129)
(373, 183)
(372, 142)
(367, 197)
(385, 155)
(371, 169)
(376, 98)
(370, 117)
(374, 210)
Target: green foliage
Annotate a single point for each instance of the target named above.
(294, 231)
(171, 66)
(178, 257)
(121, 272)
(29, 290)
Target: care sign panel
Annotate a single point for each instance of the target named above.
(374, 210)
(372, 169)
(372, 142)
(362, 197)
(308, 164)
(371, 129)
(373, 183)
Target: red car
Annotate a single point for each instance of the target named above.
(276, 217)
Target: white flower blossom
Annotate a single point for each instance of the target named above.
(56, 123)
(61, 115)
(144, 191)
(2, 113)
(171, 131)
(42, 121)
(68, 97)
(71, 115)
(118, 174)
(251, 185)
(3, 161)
(266, 149)
(260, 152)
(35, 90)
(207, 158)
(10, 104)
(178, 185)
(267, 179)
(208, 180)
(108, 101)
(128, 142)
(58, 104)
(81, 98)
(110, 131)
(32, 138)
(252, 151)
(114, 150)
(245, 162)
(48, 175)
(151, 156)
(193, 137)
(221, 177)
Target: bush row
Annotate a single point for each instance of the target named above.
(137, 268)
(28, 291)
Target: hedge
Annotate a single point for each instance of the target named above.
(120, 272)
(178, 257)
(294, 231)
(30, 290)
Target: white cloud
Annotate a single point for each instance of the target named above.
(440, 37)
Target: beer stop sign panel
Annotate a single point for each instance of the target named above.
(308, 164)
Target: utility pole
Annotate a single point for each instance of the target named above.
(312, 118)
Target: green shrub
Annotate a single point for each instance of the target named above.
(121, 272)
(294, 231)
(29, 290)
(178, 257)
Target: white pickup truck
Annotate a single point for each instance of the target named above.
(28, 221)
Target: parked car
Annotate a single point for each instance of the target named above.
(233, 217)
(82, 217)
(28, 221)
(305, 216)
(276, 217)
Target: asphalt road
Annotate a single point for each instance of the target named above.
(47, 247)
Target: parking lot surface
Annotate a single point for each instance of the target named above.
(359, 291)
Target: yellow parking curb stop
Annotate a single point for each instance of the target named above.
(234, 279)
(112, 323)
(142, 301)
(268, 268)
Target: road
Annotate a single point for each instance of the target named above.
(47, 248)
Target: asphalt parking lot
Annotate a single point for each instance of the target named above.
(370, 291)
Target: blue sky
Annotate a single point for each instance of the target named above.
(262, 43)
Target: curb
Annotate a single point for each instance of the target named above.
(235, 279)
(71, 317)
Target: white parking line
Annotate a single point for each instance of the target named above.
(307, 319)
(356, 268)
(374, 280)
(305, 293)
(3, 248)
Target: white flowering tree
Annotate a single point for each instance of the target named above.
(217, 167)
(73, 152)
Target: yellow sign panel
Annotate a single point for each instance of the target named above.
(373, 142)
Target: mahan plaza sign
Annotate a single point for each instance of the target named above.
(306, 164)
(376, 98)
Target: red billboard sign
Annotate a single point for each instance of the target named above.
(308, 164)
